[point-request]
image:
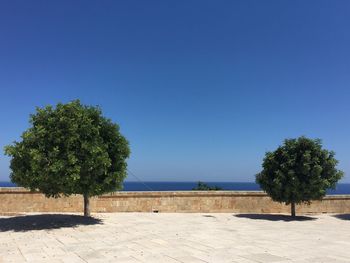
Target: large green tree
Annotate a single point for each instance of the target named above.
(298, 171)
(70, 149)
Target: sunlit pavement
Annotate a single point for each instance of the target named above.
(174, 237)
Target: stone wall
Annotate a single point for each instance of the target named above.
(17, 200)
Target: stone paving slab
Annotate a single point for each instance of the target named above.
(174, 237)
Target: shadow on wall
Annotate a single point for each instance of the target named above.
(269, 217)
(44, 222)
(343, 216)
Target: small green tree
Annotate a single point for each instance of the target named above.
(205, 187)
(70, 149)
(298, 171)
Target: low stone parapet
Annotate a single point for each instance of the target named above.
(19, 200)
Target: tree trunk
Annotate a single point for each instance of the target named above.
(292, 209)
(86, 205)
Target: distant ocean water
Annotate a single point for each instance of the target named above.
(185, 186)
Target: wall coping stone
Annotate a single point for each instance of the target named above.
(150, 194)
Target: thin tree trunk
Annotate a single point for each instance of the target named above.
(292, 209)
(86, 205)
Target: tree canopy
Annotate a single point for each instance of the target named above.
(298, 171)
(205, 187)
(70, 149)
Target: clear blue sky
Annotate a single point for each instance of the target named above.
(202, 89)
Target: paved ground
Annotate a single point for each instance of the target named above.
(146, 237)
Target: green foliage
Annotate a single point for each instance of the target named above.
(298, 171)
(69, 149)
(204, 187)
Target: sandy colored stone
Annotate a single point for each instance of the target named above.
(19, 200)
(174, 237)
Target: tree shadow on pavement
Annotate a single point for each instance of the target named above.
(274, 217)
(44, 222)
(342, 216)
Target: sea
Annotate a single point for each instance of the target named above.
(341, 188)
